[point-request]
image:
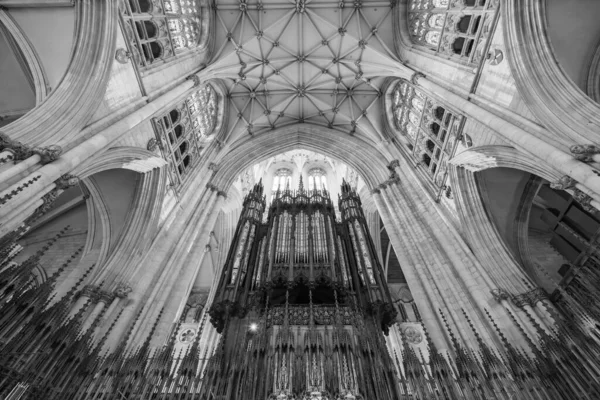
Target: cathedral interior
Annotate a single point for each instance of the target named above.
(299, 199)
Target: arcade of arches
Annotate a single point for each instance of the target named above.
(327, 200)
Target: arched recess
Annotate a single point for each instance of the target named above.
(24, 80)
(138, 178)
(117, 201)
(59, 119)
(553, 97)
(497, 189)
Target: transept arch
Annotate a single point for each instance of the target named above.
(366, 159)
(572, 117)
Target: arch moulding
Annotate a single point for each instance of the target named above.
(144, 210)
(573, 117)
(369, 161)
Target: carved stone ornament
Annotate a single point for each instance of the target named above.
(213, 167)
(122, 56)
(393, 165)
(564, 183)
(122, 290)
(375, 191)
(500, 294)
(584, 200)
(584, 149)
(195, 78)
(152, 145)
(413, 335)
(415, 76)
(22, 152)
(496, 56)
(66, 181)
(530, 298)
(187, 336)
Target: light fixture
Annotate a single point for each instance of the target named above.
(253, 327)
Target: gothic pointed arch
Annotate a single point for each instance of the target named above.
(572, 117)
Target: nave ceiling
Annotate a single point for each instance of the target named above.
(313, 62)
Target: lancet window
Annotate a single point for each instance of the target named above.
(281, 180)
(184, 131)
(433, 132)
(456, 28)
(159, 29)
(317, 179)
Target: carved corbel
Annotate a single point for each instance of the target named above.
(122, 290)
(66, 181)
(584, 200)
(376, 191)
(194, 78)
(415, 76)
(584, 152)
(500, 294)
(564, 183)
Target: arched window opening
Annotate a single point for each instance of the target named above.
(317, 180)
(183, 147)
(183, 132)
(432, 132)
(158, 33)
(426, 159)
(430, 146)
(463, 24)
(282, 180)
(452, 29)
(203, 110)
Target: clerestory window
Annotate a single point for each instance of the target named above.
(317, 179)
(433, 132)
(184, 131)
(159, 29)
(457, 29)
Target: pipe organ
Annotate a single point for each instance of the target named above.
(302, 304)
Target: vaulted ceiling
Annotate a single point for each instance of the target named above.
(315, 62)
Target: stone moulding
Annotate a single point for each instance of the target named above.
(572, 116)
(83, 85)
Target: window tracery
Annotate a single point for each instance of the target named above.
(281, 180)
(159, 29)
(317, 179)
(433, 132)
(184, 131)
(456, 28)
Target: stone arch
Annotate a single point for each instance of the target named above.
(477, 173)
(76, 96)
(142, 215)
(573, 117)
(369, 161)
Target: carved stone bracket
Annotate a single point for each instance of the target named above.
(530, 298)
(584, 200)
(66, 181)
(152, 145)
(500, 294)
(195, 78)
(564, 183)
(22, 152)
(122, 55)
(122, 290)
(584, 152)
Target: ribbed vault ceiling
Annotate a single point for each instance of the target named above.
(314, 62)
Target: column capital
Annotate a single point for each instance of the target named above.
(194, 78)
(564, 183)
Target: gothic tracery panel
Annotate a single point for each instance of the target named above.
(452, 28)
(159, 29)
(433, 131)
(184, 131)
